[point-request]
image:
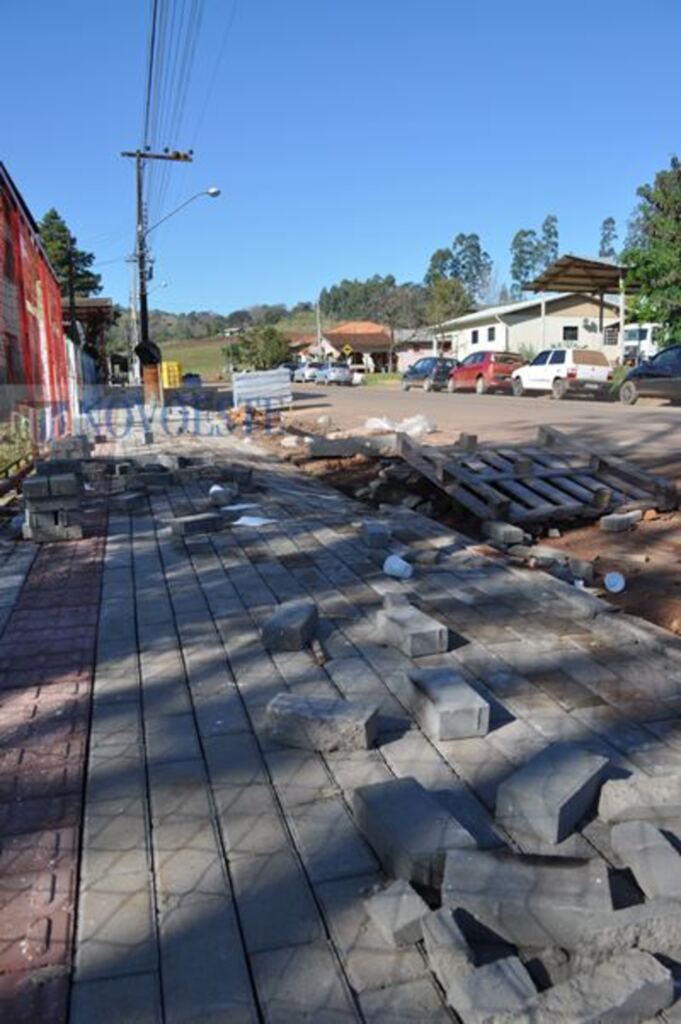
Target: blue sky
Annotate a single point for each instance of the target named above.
(349, 137)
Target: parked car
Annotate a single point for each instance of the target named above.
(430, 373)
(305, 373)
(563, 371)
(485, 371)
(191, 380)
(358, 372)
(333, 373)
(291, 367)
(659, 377)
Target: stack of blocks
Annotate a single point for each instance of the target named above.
(52, 505)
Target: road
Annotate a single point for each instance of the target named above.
(648, 433)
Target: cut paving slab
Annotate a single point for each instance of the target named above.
(478, 994)
(408, 829)
(446, 948)
(655, 863)
(291, 627)
(322, 723)
(550, 794)
(654, 927)
(447, 707)
(411, 631)
(529, 901)
(641, 798)
(397, 912)
(628, 989)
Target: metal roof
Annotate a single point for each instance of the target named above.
(572, 273)
(487, 312)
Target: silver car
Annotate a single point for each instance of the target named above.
(334, 373)
(305, 373)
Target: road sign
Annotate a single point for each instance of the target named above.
(347, 350)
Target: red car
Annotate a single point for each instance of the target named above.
(485, 371)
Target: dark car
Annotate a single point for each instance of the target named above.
(430, 373)
(659, 377)
(485, 371)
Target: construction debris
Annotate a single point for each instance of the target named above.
(503, 986)
(617, 522)
(655, 863)
(322, 723)
(447, 707)
(292, 626)
(641, 798)
(398, 912)
(411, 631)
(52, 506)
(446, 948)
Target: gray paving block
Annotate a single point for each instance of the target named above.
(408, 829)
(322, 723)
(291, 627)
(375, 533)
(641, 798)
(185, 526)
(501, 986)
(550, 794)
(299, 777)
(656, 864)
(630, 988)
(397, 912)
(35, 487)
(447, 706)
(275, 904)
(126, 502)
(136, 997)
(234, 760)
(446, 948)
(617, 522)
(503, 533)
(302, 983)
(250, 820)
(369, 960)
(328, 841)
(411, 1002)
(116, 930)
(179, 791)
(204, 970)
(64, 484)
(171, 738)
(530, 901)
(188, 861)
(411, 631)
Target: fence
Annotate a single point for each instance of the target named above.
(269, 389)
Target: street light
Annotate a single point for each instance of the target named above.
(212, 192)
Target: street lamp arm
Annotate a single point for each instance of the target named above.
(212, 192)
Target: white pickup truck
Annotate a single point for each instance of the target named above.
(563, 371)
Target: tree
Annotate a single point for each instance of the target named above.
(654, 263)
(239, 318)
(440, 266)
(525, 251)
(61, 249)
(447, 299)
(606, 249)
(259, 348)
(471, 264)
(548, 245)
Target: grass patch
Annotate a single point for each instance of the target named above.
(377, 379)
(13, 445)
(197, 355)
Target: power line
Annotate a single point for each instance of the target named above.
(150, 70)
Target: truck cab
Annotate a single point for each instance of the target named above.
(639, 343)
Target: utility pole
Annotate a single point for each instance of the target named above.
(139, 156)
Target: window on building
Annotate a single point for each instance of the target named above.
(570, 333)
(474, 337)
(491, 333)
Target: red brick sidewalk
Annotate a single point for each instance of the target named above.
(47, 654)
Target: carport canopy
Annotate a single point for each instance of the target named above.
(571, 273)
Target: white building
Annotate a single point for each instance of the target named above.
(562, 321)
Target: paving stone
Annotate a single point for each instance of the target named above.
(321, 723)
(201, 522)
(116, 930)
(137, 999)
(408, 829)
(632, 987)
(300, 984)
(171, 738)
(447, 707)
(641, 798)
(656, 864)
(275, 904)
(411, 631)
(375, 533)
(234, 760)
(128, 501)
(550, 794)
(299, 777)
(528, 901)
(291, 627)
(328, 841)
(36, 909)
(250, 820)
(503, 533)
(397, 912)
(446, 948)
(617, 522)
(411, 1002)
(501, 986)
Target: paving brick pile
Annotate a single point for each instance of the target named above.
(410, 810)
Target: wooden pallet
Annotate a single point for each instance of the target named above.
(554, 480)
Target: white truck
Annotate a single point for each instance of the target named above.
(563, 371)
(639, 343)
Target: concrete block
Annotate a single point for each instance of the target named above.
(411, 631)
(322, 723)
(654, 927)
(291, 627)
(617, 522)
(130, 501)
(376, 534)
(630, 988)
(49, 467)
(447, 707)
(655, 863)
(408, 829)
(202, 522)
(503, 533)
(397, 912)
(154, 478)
(66, 484)
(136, 997)
(446, 948)
(529, 901)
(551, 792)
(503, 986)
(641, 798)
(35, 487)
